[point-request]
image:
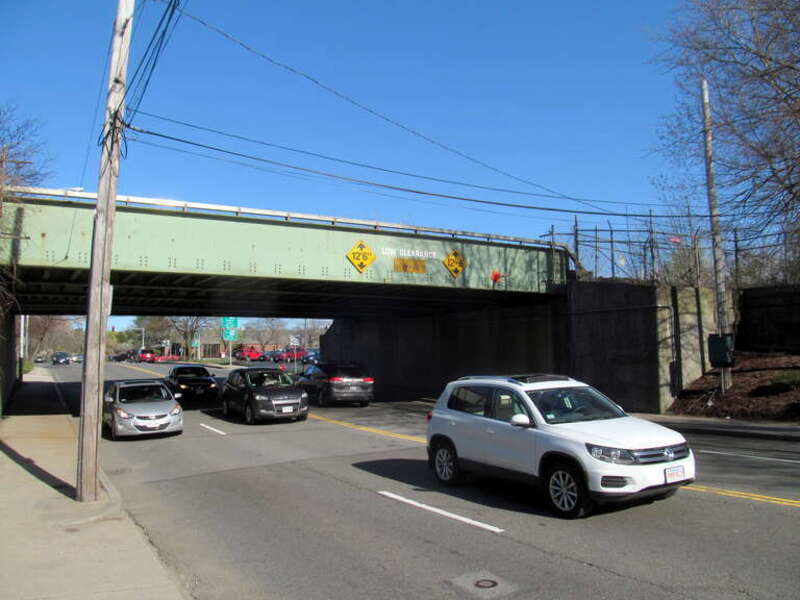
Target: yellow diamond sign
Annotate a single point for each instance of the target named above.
(455, 263)
(361, 256)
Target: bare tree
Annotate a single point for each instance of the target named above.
(749, 51)
(22, 162)
(267, 331)
(189, 329)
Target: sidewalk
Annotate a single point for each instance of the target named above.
(53, 546)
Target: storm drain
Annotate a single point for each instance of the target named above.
(483, 584)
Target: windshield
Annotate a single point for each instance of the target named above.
(143, 393)
(192, 372)
(263, 378)
(573, 405)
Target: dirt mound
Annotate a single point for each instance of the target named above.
(765, 386)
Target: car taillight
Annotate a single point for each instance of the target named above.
(336, 379)
(368, 380)
(429, 415)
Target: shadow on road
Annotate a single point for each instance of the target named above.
(487, 491)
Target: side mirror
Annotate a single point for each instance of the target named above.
(520, 421)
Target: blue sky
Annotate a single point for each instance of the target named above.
(563, 95)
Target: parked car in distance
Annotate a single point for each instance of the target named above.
(145, 355)
(137, 407)
(247, 353)
(336, 383)
(39, 358)
(576, 443)
(120, 357)
(311, 358)
(60, 358)
(259, 393)
(192, 380)
(78, 358)
(289, 354)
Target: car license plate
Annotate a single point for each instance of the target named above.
(354, 388)
(152, 425)
(673, 474)
(286, 409)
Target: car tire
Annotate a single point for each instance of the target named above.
(249, 416)
(566, 491)
(302, 417)
(321, 397)
(445, 463)
(226, 409)
(363, 404)
(112, 430)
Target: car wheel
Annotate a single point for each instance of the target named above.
(321, 397)
(226, 409)
(249, 417)
(445, 463)
(566, 491)
(302, 417)
(363, 403)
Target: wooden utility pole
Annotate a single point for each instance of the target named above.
(716, 232)
(99, 304)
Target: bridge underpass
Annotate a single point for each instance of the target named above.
(417, 305)
(181, 258)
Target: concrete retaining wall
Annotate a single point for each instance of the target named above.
(8, 359)
(639, 344)
(416, 356)
(769, 319)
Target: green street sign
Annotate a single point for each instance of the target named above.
(195, 343)
(229, 322)
(230, 334)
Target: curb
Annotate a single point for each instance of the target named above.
(731, 431)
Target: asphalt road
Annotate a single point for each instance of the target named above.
(319, 509)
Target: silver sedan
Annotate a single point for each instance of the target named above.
(141, 407)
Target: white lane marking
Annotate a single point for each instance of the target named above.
(212, 429)
(443, 513)
(786, 460)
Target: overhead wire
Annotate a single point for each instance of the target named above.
(384, 169)
(389, 186)
(361, 106)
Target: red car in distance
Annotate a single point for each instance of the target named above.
(247, 353)
(146, 355)
(290, 354)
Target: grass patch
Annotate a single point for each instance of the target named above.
(27, 367)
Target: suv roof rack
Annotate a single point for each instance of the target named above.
(520, 379)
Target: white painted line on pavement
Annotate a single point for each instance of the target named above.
(443, 513)
(786, 460)
(212, 429)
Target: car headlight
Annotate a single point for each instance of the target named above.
(183, 386)
(122, 414)
(304, 395)
(617, 456)
(261, 397)
(176, 411)
(213, 385)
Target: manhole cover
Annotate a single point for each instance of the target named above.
(483, 584)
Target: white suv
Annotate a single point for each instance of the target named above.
(575, 442)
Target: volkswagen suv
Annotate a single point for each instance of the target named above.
(576, 443)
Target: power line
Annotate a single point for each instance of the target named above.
(394, 187)
(385, 169)
(373, 112)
